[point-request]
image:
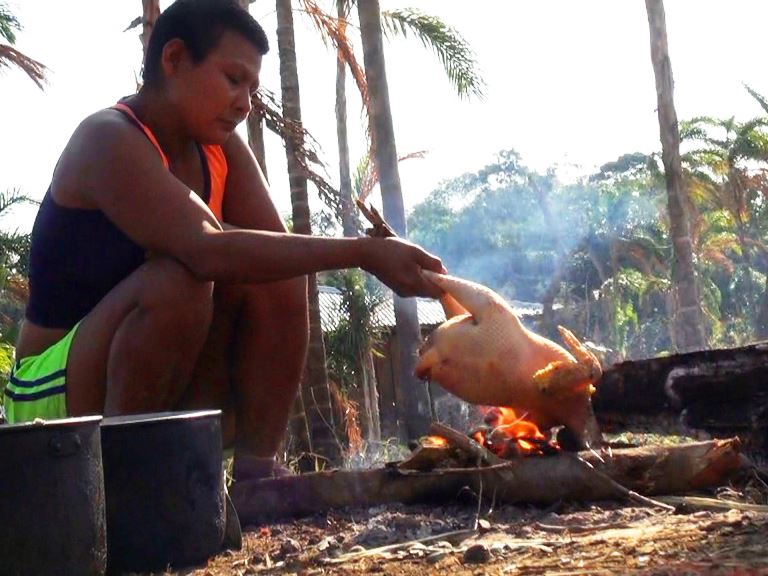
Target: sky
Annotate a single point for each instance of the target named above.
(567, 84)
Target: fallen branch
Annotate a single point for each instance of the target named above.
(400, 546)
(712, 504)
(648, 471)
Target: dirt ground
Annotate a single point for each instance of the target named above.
(725, 535)
(464, 538)
(603, 538)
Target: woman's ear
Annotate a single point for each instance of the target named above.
(173, 56)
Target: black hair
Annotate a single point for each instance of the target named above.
(200, 25)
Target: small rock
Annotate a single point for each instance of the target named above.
(483, 525)
(326, 543)
(357, 548)
(477, 554)
(289, 546)
(435, 557)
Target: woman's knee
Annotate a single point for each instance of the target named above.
(173, 293)
(278, 306)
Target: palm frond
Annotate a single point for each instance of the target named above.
(9, 56)
(134, 23)
(267, 105)
(333, 31)
(367, 176)
(8, 23)
(452, 50)
(9, 199)
(757, 96)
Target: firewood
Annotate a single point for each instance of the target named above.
(484, 455)
(543, 480)
(426, 458)
(466, 444)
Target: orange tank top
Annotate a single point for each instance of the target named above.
(216, 164)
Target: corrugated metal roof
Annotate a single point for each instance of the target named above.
(430, 311)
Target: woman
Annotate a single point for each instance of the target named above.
(161, 275)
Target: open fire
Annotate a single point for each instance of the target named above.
(509, 435)
(504, 434)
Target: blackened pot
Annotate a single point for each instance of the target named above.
(52, 518)
(164, 485)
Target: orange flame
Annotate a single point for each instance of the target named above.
(435, 441)
(509, 431)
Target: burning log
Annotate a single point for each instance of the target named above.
(536, 480)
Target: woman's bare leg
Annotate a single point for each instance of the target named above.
(135, 351)
(252, 362)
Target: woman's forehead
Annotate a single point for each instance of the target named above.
(233, 45)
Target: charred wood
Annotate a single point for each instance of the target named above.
(723, 391)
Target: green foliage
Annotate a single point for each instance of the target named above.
(6, 363)
(355, 335)
(607, 237)
(9, 24)
(450, 47)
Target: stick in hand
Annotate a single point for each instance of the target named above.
(379, 227)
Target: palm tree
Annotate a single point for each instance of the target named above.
(406, 318)
(449, 46)
(315, 392)
(150, 10)
(9, 56)
(688, 331)
(722, 174)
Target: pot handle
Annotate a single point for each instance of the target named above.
(64, 444)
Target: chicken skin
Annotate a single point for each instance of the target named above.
(484, 355)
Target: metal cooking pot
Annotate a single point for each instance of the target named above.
(164, 485)
(52, 518)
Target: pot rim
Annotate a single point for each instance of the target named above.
(158, 417)
(39, 423)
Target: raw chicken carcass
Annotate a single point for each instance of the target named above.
(484, 355)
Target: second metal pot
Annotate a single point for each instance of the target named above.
(164, 484)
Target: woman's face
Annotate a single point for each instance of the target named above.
(214, 96)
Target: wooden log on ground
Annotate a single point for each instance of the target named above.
(535, 480)
(673, 382)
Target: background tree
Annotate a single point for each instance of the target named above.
(406, 315)
(315, 393)
(14, 247)
(688, 328)
(9, 56)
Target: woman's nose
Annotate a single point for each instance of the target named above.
(243, 102)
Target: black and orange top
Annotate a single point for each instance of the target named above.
(78, 255)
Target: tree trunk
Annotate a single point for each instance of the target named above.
(689, 334)
(315, 393)
(150, 10)
(406, 318)
(255, 124)
(349, 221)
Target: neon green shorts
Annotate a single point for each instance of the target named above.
(37, 386)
